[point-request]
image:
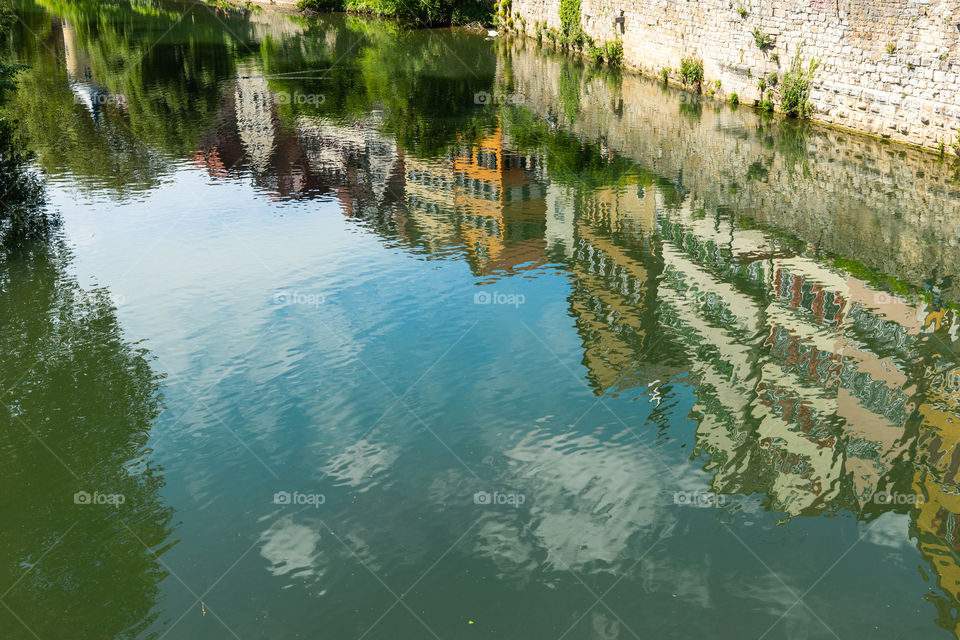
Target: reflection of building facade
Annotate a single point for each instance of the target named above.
(613, 283)
(486, 199)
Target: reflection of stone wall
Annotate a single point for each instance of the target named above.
(890, 207)
(911, 95)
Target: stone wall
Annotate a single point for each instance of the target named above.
(895, 208)
(887, 67)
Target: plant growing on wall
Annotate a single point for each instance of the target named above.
(795, 86)
(595, 54)
(570, 23)
(691, 71)
(613, 52)
(766, 104)
(762, 40)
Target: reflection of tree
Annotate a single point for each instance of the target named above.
(21, 193)
(108, 157)
(78, 402)
(154, 79)
(424, 85)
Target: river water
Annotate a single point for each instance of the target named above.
(360, 332)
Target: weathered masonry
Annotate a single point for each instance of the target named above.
(887, 67)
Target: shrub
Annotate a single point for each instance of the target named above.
(595, 54)
(431, 12)
(570, 23)
(734, 98)
(795, 86)
(321, 5)
(762, 40)
(613, 52)
(691, 71)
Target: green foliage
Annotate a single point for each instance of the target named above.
(613, 51)
(891, 48)
(595, 54)
(795, 86)
(665, 74)
(569, 16)
(430, 12)
(691, 71)
(762, 40)
(571, 33)
(734, 98)
(742, 11)
(766, 104)
(320, 5)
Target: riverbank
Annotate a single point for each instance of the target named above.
(887, 69)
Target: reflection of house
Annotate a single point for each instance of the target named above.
(614, 281)
(487, 198)
(366, 165)
(938, 528)
(249, 138)
(825, 406)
